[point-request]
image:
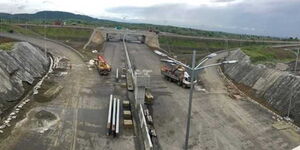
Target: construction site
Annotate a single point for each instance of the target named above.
(119, 88)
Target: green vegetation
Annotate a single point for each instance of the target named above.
(7, 46)
(266, 54)
(258, 52)
(17, 29)
(62, 33)
(196, 43)
(186, 45)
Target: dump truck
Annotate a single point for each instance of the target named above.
(176, 73)
(102, 66)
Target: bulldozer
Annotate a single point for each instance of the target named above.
(102, 66)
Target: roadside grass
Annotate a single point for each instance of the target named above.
(203, 43)
(74, 37)
(16, 29)
(7, 46)
(62, 33)
(258, 52)
(265, 54)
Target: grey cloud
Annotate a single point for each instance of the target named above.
(223, 0)
(14, 8)
(268, 17)
(21, 7)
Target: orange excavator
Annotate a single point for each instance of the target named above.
(103, 67)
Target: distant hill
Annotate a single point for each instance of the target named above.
(51, 15)
(70, 18)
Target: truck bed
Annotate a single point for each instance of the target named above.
(170, 75)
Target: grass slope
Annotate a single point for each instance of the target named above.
(266, 54)
(258, 52)
(7, 46)
(16, 29)
(62, 33)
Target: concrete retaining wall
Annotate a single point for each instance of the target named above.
(24, 63)
(98, 37)
(274, 86)
(152, 41)
(95, 40)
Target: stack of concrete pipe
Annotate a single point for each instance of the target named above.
(113, 116)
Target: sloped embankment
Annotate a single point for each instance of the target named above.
(19, 67)
(275, 87)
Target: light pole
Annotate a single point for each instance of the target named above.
(291, 97)
(194, 69)
(190, 101)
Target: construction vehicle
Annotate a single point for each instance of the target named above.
(103, 67)
(176, 73)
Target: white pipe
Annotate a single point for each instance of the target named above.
(114, 115)
(109, 112)
(117, 74)
(118, 115)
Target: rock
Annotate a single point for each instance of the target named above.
(20, 106)
(9, 118)
(281, 66)
(274, 86)
(6, 122)
(2, 126)
(23, 64)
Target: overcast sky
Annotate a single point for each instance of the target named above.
(262, 17)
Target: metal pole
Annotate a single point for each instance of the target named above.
(190, 102)
(291, 97)
(296, 63)
(227, 47)
(118, 117)
(109, 115)
(117, 74)
(114, 116)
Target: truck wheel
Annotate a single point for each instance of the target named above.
(179, 83)
(168, 78)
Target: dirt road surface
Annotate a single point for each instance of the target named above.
(218, 122)
(81, 108)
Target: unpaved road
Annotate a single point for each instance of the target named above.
(81, 108)
(218, 122)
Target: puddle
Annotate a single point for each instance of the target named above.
(38, 120)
